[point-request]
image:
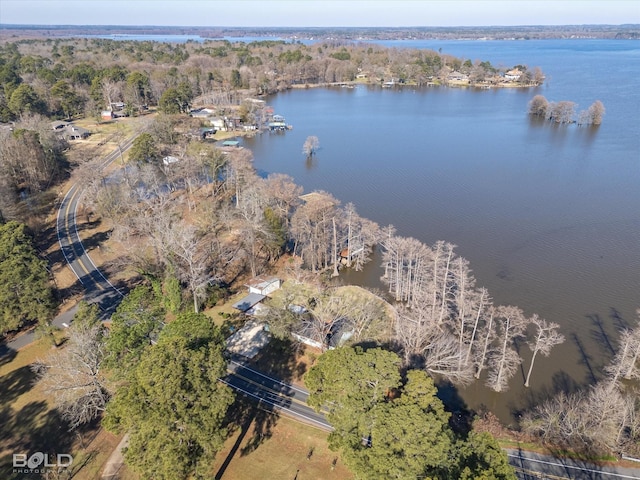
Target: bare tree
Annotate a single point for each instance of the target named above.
(504, 360)
(311, 227)
(407, 266)
(185, 244)
(626, 363)
(538, 106)
(596, 112)
(546, 337)
(561, 112)
(73, 375)
(488, 334)
(360, 237)
(311, 145)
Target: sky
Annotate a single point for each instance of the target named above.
(324, 13)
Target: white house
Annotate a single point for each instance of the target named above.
(263, 285)
(514, 74)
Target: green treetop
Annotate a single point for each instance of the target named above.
(173, 406)
(25, 291)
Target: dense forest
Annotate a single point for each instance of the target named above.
(191, 231)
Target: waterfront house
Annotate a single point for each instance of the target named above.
(513, 75)
(218, 123)
(456, 76)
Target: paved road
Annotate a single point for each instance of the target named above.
(273, 394)
(530, 466)
(97, 287)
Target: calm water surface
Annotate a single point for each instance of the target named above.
(548, 216)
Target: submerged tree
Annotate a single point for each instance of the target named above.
(538, 106)
(546, 337)
(504, 360)
(311, 145)
(593, 115)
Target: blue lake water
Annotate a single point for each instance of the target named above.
(548, 216)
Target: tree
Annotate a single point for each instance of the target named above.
(480, 457)
(185, 246)
(389, 428)
(135, 325)
(69, 101)
(561, 112)
(25, 291)
(73, 375)
(626, 362)
(350, 382)
(176, 100)
(504, 359)
(311, 145)
(410, 437)
(138, 90)
(311, 227)
(173, 405)
(24, 99)
(143, 149)
(538, 106)
(596, 112)
(599, 420)
(546, 337)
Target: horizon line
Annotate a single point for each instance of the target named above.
(323, 26)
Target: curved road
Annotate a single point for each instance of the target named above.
(98, 289)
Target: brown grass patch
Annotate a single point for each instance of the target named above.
(292, 450)
(30, 423)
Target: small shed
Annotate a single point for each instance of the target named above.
(263, 285)
(231, 143)
(247, 303)
(106, 115)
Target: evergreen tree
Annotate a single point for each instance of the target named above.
(25, 291)
(173, 405)
(386, 430)
(411, 437)
(134, 326)
(143, 149)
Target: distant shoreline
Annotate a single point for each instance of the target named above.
(351, 34)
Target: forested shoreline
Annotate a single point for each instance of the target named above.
(193, 230)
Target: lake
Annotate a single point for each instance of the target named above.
(547, 215)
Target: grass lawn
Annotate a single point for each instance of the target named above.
(288, 450)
